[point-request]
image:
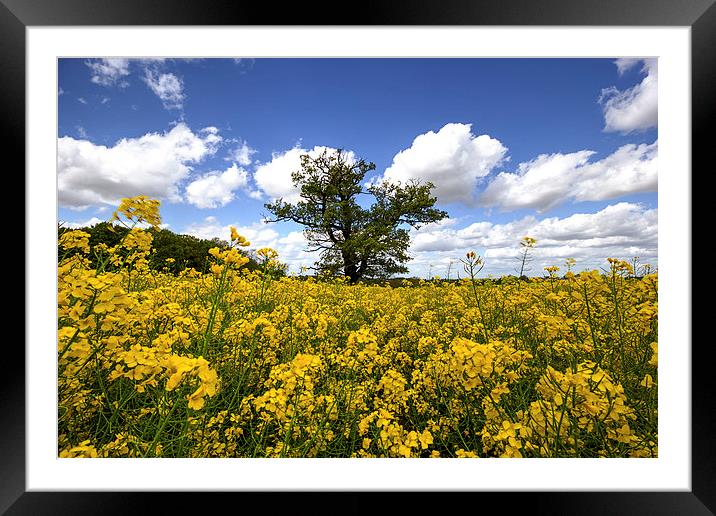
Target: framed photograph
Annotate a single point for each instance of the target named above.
(286, 255)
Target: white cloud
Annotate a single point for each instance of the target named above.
(255, 194)
(86, 224)
(430, 237)
(152, 165)
(241, 154)
(626, 63)
(635, 108)
(552, 179)
(274, 178)
(160, 60)
(630, 169)
(167, 86)
(82, 132)
(216, 188)
(81, 100)
(109, 71)
(292, 250)
(621, 230)
(210, 228)
(453, 159)
(210, 129)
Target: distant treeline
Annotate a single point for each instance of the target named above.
(186, 250)
(418, 282)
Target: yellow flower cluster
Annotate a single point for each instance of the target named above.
(229, 256)
(75, 240)
(237, 239)
(137, 210)
(238, 363)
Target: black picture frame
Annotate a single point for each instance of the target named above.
(17, 15)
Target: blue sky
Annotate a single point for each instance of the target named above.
(562, 149)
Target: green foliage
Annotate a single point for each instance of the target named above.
(186, 250)
(356, 241)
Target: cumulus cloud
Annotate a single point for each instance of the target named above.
(241, 154)
(621, 230)
(624, 64)
(274, 177)
(153, 165)
(258, 233)
(430, 237)
(167, 86)
(86, 224)
(215, 189)
(453, 159)
(292, 250)
(109, 71)
(635, 108)
(552, 179)
(291, 247)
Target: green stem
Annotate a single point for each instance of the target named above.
(160, 429)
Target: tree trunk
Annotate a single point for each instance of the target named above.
(349, 268)
(351, 271)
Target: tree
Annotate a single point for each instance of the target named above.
(361, 242)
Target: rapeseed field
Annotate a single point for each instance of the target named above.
(238, 363)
